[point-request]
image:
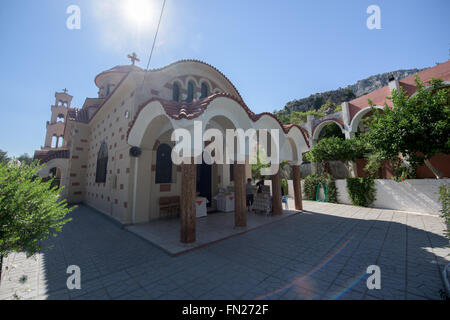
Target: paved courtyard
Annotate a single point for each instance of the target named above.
(322, 253)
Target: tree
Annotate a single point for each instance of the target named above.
(30, 209)
(416, 127)
(25, 158)
(300, 118)
(335, 148)
(261, 162)
(3, 156)
(327, 108)
(331, 130)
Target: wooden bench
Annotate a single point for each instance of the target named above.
(169, 207)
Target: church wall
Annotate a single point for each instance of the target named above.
(78, 162)
(114, 197)
(156, 191)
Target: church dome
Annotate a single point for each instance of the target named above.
(116, 72)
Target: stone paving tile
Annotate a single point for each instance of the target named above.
(320, 254)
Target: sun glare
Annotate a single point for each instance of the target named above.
(138, 12)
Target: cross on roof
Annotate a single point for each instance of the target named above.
(133, 57)
(65, 90)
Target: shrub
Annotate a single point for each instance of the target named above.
(284, 185)
(30, 209)
(311, 183)
(361, 191)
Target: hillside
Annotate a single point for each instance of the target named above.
(336, 97)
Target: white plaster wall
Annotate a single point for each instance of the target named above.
(415, 195)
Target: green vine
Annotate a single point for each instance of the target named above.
(361, 191)
(311, 183)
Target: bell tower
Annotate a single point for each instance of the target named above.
(54, 138)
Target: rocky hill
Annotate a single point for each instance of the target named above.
(336, 97)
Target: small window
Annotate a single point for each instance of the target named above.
(205, 90)
(54, 143)
(190, 96)
(60, 118)
(102, 163)
(163, 164)
(176, 92)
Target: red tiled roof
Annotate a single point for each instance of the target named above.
(178, 111)
(45, 156)
(79, 115)
(378, 97)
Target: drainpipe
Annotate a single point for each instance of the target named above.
(133, 217)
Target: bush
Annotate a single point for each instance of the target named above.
(311, 183)
(284, 185)
(30, 209)
(361, 191)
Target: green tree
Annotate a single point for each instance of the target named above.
(335, 148)
(25, 158)
(261, 162)
(331, 130)
(301, 117)
(416, 127)
(30, 209)
(3, 156)
(327, 108)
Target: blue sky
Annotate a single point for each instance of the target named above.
(273, 51)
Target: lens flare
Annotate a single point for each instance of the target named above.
(138, 12)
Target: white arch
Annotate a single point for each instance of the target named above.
(322, 125)
(357, 118)
(208, 83)
(188, 79)
(146, 116)
(219, 107)
(228, 108)
(295, 135)
(63, 165)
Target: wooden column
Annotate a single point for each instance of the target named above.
(277, 207)
(296, 174)
(187, 208)
(240, 209)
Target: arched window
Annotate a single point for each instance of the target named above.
(55, 173)
(176, 92)
(190, 96)
(60, 118)
(60, 142)
(102, 164)
(205, 90)
(163, 164)
(54, 143)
